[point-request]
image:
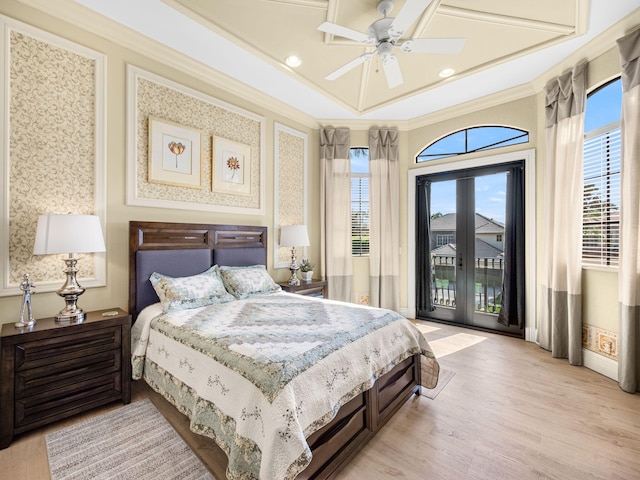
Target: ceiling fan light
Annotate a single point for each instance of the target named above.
(447, 72)
(293, 61)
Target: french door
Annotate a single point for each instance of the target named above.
(470, 248)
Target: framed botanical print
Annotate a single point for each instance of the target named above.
(175, 154)
(231, 167)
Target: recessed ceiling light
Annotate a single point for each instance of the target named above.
(293, 61)
(447, 72)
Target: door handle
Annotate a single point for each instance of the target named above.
(459, 261)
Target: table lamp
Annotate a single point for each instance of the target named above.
(294, 236)
(69, 234)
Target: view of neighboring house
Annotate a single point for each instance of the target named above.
(488, 253)
(489, 236)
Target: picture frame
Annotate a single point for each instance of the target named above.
(231, 167)
(175, 154)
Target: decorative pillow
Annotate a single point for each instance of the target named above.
(244, 281)
(181, 293)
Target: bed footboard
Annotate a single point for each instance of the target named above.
(360, 419)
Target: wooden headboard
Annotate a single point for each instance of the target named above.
(182, 249)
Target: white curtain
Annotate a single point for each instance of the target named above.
(335, 212)
(629, 269)
(384, 204)
(560, 325)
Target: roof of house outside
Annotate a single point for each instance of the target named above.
(482, 250)
(447, 223)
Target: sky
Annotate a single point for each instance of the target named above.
(491, 191)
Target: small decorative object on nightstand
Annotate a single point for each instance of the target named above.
(294, 236)
(306, 270)
(54, 370)
(27, 288)
(313, 288)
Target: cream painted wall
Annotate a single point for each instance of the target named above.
(115, 294)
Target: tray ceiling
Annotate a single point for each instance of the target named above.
(241, 45)
(494, 32)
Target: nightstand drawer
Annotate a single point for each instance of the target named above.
(48, 351)
(55, 370)
(58, 403)
(72, 371)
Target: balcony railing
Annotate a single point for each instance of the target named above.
(488, 283)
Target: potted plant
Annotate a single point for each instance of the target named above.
(306, 270)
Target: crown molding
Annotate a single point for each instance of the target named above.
(460, 110)
(591, 50)
(76, 14)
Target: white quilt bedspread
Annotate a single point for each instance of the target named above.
(260, 375)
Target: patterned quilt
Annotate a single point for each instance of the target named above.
(260, 375)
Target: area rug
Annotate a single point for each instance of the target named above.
(444, 378)
(131, 442)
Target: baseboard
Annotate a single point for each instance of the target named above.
(601, 364)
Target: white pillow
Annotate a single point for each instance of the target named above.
(181, 293)
(244, 281)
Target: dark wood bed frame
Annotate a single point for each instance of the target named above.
(358, 420)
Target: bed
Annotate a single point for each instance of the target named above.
(288, 386)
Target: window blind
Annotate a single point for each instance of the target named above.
(601, 197)
(359, 214)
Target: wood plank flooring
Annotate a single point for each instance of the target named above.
(510, 412)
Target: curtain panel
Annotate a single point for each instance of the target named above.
(512, 311)
(384, 230)
(424, 299)
(629, 269)
(560, 325)
(335, 212)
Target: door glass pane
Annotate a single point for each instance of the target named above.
(443, 243)
(490, 201)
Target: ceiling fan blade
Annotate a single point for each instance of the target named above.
(349, 66)
(406, 16)
(392, 71)
(335, 29)
(446, 46)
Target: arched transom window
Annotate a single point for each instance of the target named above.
(473, 139)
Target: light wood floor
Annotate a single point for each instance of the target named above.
(510, 412)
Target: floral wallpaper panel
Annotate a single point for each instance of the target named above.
(291, 157)
(51, 148)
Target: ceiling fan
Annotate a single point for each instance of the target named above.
(384, 35)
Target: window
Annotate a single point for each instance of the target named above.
(359, 201)
(602, 162)
(444, 239)
(474, 139)
(498, 237)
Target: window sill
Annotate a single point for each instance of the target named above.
(601, 268)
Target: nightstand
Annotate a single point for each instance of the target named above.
(313, 288)
(55, 370)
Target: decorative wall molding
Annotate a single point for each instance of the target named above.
(150, 94)
(52, 146)
(290, 187)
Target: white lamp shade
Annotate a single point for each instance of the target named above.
(57, 233)
(294, 236)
